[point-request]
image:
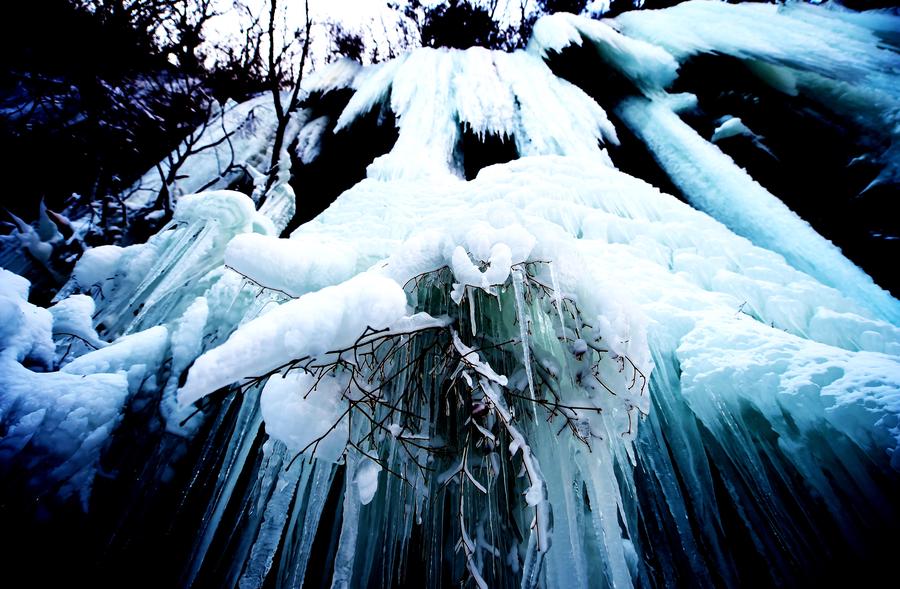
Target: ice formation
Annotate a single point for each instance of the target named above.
(550, 375)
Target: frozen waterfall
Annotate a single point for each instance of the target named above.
(472, 370)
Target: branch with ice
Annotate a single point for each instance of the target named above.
(309, 326)
(535, 496)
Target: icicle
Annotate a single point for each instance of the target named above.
(519, 287)
(471, 295)
(566, 565)
(295, 555)
(536, 496)
(276, 513)
(240, 444)
(557, 298)
(345, 558)
(605, 504)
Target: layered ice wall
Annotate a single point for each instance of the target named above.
(550, 375)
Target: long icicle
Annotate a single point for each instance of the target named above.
(519, 286)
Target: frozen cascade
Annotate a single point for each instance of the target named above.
(550, 375)
(436, 93)
(716, 185)
(790, 52)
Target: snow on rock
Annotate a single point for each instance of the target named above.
(73, 317)
(97, 265)
(731, 127)
(25, 330)
(140, 355)
(312, 325)
(55, 424)
(109, 269)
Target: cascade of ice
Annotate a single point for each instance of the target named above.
(716, 185)
(236, 144)
(852, 74)
(638, 237)
(150, 284)
(436, 93)
(551, 375)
